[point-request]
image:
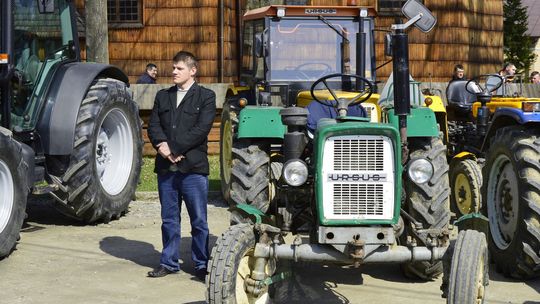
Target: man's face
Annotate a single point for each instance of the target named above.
(460, 73)
(536, 79)
(152, 72)
(511, 70)
(182, 73)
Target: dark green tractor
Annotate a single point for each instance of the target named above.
(68, 129)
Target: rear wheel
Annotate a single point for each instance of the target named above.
(250, 175)
(107, 153)
(230, 264)
(465, 182)
(229, 122)
(511, 196)
(468, 275)
(13, 192)
(428, 203)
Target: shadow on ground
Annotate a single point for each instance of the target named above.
(145, 254)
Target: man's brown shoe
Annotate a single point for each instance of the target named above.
(160, 271)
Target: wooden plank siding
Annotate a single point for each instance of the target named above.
(467, 32)
(169, 26)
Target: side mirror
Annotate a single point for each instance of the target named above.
(426, 21)
(45, 6)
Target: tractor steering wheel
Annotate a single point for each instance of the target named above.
(362, 96)
(493, 83)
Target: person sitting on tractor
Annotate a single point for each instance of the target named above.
(318, 111)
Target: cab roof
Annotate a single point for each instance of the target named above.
(308, 11)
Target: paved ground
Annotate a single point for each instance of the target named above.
(60, 261)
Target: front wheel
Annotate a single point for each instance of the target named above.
(427, 203)
(231, 263)
(465, 182)
(13, 192)
(468, 275)
(511, 195)
(105, 164)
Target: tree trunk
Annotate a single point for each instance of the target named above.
(97, 37)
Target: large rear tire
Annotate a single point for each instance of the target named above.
(105, 165)
(230, 264)
(511, 195)
(428, 203)
(465, 182)
(250, 175)
(13, 192)
(229, 122)
(468, 275)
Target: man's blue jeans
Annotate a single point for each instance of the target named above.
(193, 190)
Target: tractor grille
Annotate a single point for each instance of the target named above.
(358, 154)
(358, 174)
(358, 199)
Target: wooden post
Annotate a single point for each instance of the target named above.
(97, 37)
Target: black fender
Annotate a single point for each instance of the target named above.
(71, 81)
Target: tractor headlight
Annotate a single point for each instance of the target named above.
(420, 170)
(295, 172)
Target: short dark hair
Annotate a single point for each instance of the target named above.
(507, 65)
(188, 58)
(534, 73)
(150, 66)
(458, 67)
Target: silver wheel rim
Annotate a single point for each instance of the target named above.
(7, 195)
(114, 152)
(502, 201)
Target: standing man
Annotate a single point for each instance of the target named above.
(149, 76)
(181, 119)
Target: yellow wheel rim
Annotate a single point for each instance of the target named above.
(245, 266)
(463, 194)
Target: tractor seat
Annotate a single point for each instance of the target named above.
(459, 100)
(318, 111)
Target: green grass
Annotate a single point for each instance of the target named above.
(148, 180)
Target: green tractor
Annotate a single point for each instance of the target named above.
(68, 129)
(349, 189)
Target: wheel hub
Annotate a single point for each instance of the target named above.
(503, 201)
(114, 151)
(463, 194)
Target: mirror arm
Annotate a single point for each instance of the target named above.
(404, 26)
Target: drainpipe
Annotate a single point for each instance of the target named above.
(220, 41)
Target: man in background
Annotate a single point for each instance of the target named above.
(149, 76)
(535, 77)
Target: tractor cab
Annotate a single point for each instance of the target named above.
(40, 38)
(287, 48)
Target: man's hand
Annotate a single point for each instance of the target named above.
(165, 152)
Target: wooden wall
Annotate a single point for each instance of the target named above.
(170, 26)
(469, 32)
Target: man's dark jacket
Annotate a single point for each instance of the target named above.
(146, 79)
(185, 128)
